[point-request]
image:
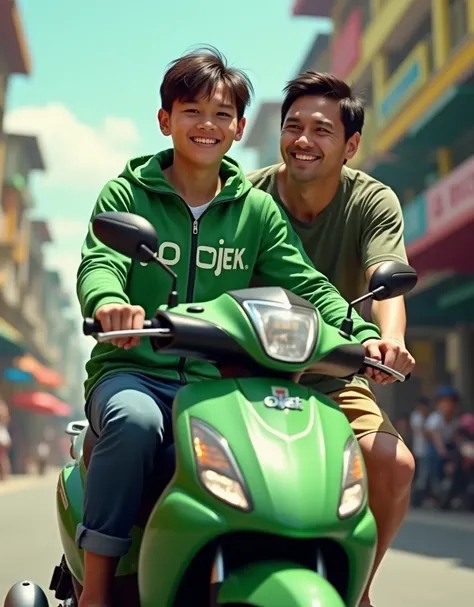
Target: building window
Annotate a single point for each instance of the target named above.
(458, 20)
(421, 34)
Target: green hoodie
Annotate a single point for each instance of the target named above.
(243, 232)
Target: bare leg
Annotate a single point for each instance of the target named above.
(99, 575)
(390, 469)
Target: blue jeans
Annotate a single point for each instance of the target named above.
(131, 415)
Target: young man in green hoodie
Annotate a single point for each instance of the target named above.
(216, 231)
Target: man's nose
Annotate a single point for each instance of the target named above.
(304, 141)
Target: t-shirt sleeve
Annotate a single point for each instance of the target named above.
(382, 229)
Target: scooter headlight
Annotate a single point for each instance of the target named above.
(217, 468)
(287, 333)
(354, 481)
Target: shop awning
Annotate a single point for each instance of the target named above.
(444, 303)
(42, 375)
(444, 224)
(11, 341)
(440, 125)
(41, 402)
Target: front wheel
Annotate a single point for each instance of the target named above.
(277, 584)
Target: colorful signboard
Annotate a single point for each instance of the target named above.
(442, 207)
(451, 198)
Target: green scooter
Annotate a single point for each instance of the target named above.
(266, 503)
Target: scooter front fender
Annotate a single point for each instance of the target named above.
(278, 584)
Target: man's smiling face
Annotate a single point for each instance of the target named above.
(313, 143)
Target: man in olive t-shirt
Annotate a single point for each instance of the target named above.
(348, 223)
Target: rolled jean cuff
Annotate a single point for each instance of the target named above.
(99, 543)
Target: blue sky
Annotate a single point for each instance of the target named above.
(93, 92)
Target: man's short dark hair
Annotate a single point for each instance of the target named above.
(198, 73)
(328, 85)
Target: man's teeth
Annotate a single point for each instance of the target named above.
(305, 157)
(204, 140)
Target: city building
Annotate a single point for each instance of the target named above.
(413, 62)
(264, 135)
(14, 59)
(41, 365)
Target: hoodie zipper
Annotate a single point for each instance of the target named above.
(192, 274)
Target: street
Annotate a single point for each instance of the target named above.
(431, 564)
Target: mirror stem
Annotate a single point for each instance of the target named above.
(347, 325)
(173, 297)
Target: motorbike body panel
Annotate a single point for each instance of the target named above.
(292, 463)
(279, 584)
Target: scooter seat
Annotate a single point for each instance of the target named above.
(154, 487)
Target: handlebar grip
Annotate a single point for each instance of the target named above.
(90, 326)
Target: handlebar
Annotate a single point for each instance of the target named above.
(151, 328)
(375, 364)
(93, 327)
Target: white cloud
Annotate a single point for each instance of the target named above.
(64, 229)
(76, 154)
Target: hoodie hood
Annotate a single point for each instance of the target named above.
(147, 173)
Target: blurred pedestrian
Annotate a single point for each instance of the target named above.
(43, 452)
(419, 447)
(441, 427)
(5, 442)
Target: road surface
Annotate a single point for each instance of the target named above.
(431, 564)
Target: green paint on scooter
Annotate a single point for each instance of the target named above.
(269, 495)
(278, 584)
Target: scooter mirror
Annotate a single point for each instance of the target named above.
(392, 279)
(126, 233)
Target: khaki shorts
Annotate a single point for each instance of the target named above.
(363, 413)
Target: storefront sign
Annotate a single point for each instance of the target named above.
(451, 198)
(414, 216)
(409, 77)
(346, 48)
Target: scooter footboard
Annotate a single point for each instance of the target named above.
(278, 584)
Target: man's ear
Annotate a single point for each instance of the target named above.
(352, 145)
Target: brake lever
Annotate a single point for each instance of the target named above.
(375, 364)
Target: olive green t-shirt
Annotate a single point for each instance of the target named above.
(362, 226)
